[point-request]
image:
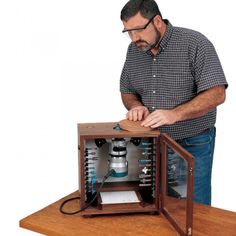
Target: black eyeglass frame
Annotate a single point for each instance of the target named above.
(139, 28)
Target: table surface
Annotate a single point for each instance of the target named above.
(49, 221)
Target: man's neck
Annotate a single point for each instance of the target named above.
(162, 31)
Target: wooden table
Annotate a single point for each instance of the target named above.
(49, 221)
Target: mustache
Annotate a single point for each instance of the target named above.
(141, 41)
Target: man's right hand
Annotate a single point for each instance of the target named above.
(137, 113)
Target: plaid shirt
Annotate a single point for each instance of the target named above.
(185, 65)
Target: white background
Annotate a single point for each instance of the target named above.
(60, 63)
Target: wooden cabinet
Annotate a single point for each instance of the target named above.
(134, 172)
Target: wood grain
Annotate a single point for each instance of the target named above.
(133, 126)
(107, 130)
(49, 221)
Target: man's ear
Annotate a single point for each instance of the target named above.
(158, 21)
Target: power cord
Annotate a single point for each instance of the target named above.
(109, 173)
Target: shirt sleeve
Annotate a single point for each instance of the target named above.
(208, 69)
(125, 86)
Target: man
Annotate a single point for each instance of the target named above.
(172, 80)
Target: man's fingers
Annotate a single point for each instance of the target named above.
(140, 115)
(159, 118)
(151, 122)
(157, 124)
(146, 113)
(149, 119)
(137, 114)
(129, 115)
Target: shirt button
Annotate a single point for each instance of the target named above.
(154, 76)
(153, 108)
(153, 91)
(154, 59)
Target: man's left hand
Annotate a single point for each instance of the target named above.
(159, 118)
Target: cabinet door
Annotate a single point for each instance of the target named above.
(177, 185)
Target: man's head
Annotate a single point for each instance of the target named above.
(143, 22)
(147, 9)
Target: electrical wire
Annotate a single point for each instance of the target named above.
(109, 173)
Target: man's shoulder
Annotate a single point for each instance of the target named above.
(189, 35)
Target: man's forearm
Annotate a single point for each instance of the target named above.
(198, 106)
(201, 104)
(130, 100)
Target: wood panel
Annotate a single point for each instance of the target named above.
(106, 130)
(49, 221)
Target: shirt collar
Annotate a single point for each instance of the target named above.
(166, 38)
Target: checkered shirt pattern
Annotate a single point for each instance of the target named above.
(185, 65)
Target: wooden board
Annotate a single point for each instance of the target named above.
(107, 130)
(133, 126)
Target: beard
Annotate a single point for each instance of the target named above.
(145, 46)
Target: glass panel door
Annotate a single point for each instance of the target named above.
(177, 185)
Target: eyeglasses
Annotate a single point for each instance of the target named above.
(139, 29)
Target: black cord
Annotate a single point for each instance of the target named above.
(112, 171)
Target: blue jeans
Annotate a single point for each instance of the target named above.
(201, 147)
